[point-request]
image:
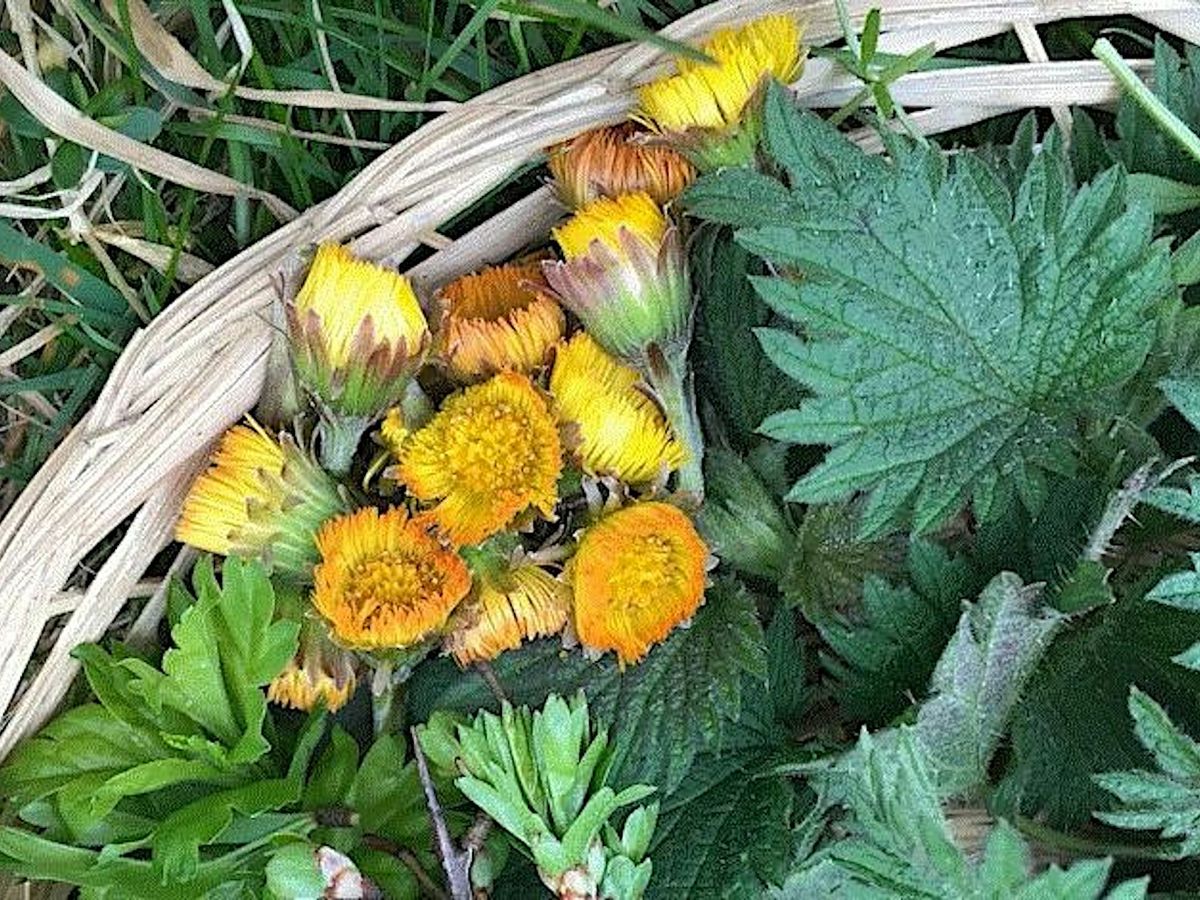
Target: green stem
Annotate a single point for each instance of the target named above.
(1082, 846)
(340, 436)
(1144, 97)
(672, 382)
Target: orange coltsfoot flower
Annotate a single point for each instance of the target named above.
(608, 162)
(384, 582)
(319, 674)
(637, 573)
(622, 432)
(498, 319)
(261, 498)
(490, 454)
(508, 606)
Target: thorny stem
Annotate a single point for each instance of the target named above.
(1121, 504)
(1170, 123)
(456, 863)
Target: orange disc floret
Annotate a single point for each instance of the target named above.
(498, 319)
(383, 581)
(491, 453)
(638, 572)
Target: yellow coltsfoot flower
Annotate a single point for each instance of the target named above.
(611, 161)
(625, 278)
(624, 275)
(508, 605)
(384, 582)
(320, 673)
(357, 336)
(498, 319)
(622, 432)
(637, 573)
(489, 455)
(710, 110)
(261, 498)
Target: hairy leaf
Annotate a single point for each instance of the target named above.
(1143, 145)
(951, 332)
(1167, 800)
(898, 842)
(1072, 721)
(979, 678)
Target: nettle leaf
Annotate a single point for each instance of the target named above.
(725, 833)
(898, 842)
(951, 333)
(1166, 800)
(733, 372)
(662, 712)
(1072, 721)
(979, 678)
(884, 656)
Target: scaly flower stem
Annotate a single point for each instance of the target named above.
(339, 439)
(669, 376)
(1144, 97)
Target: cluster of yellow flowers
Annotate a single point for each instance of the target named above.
(547, 491)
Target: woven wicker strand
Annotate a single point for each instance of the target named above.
(200, 365)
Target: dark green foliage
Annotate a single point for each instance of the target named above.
(661, 713)
(733, 373)
(884, 655)
(1166, 800)
(1073, 722)
(953, 332)
(898, 843)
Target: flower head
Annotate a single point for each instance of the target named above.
(393, 431)
(383, 581)
(262, 498)
(638, 572)
(609, 162)
(622, 432)
(707, 104)
(624, 275)
(491, 453)
(507, 607)
(498, 320)
(357, 332)
(319, 673)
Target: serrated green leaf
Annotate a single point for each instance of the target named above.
(1072, 721)
(660, 713)
(898, 843)
(979, 678)
(884, 655)
(732, 371)
(725, 835)
(1166, 801)
(952, 333)
(1182, 591)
